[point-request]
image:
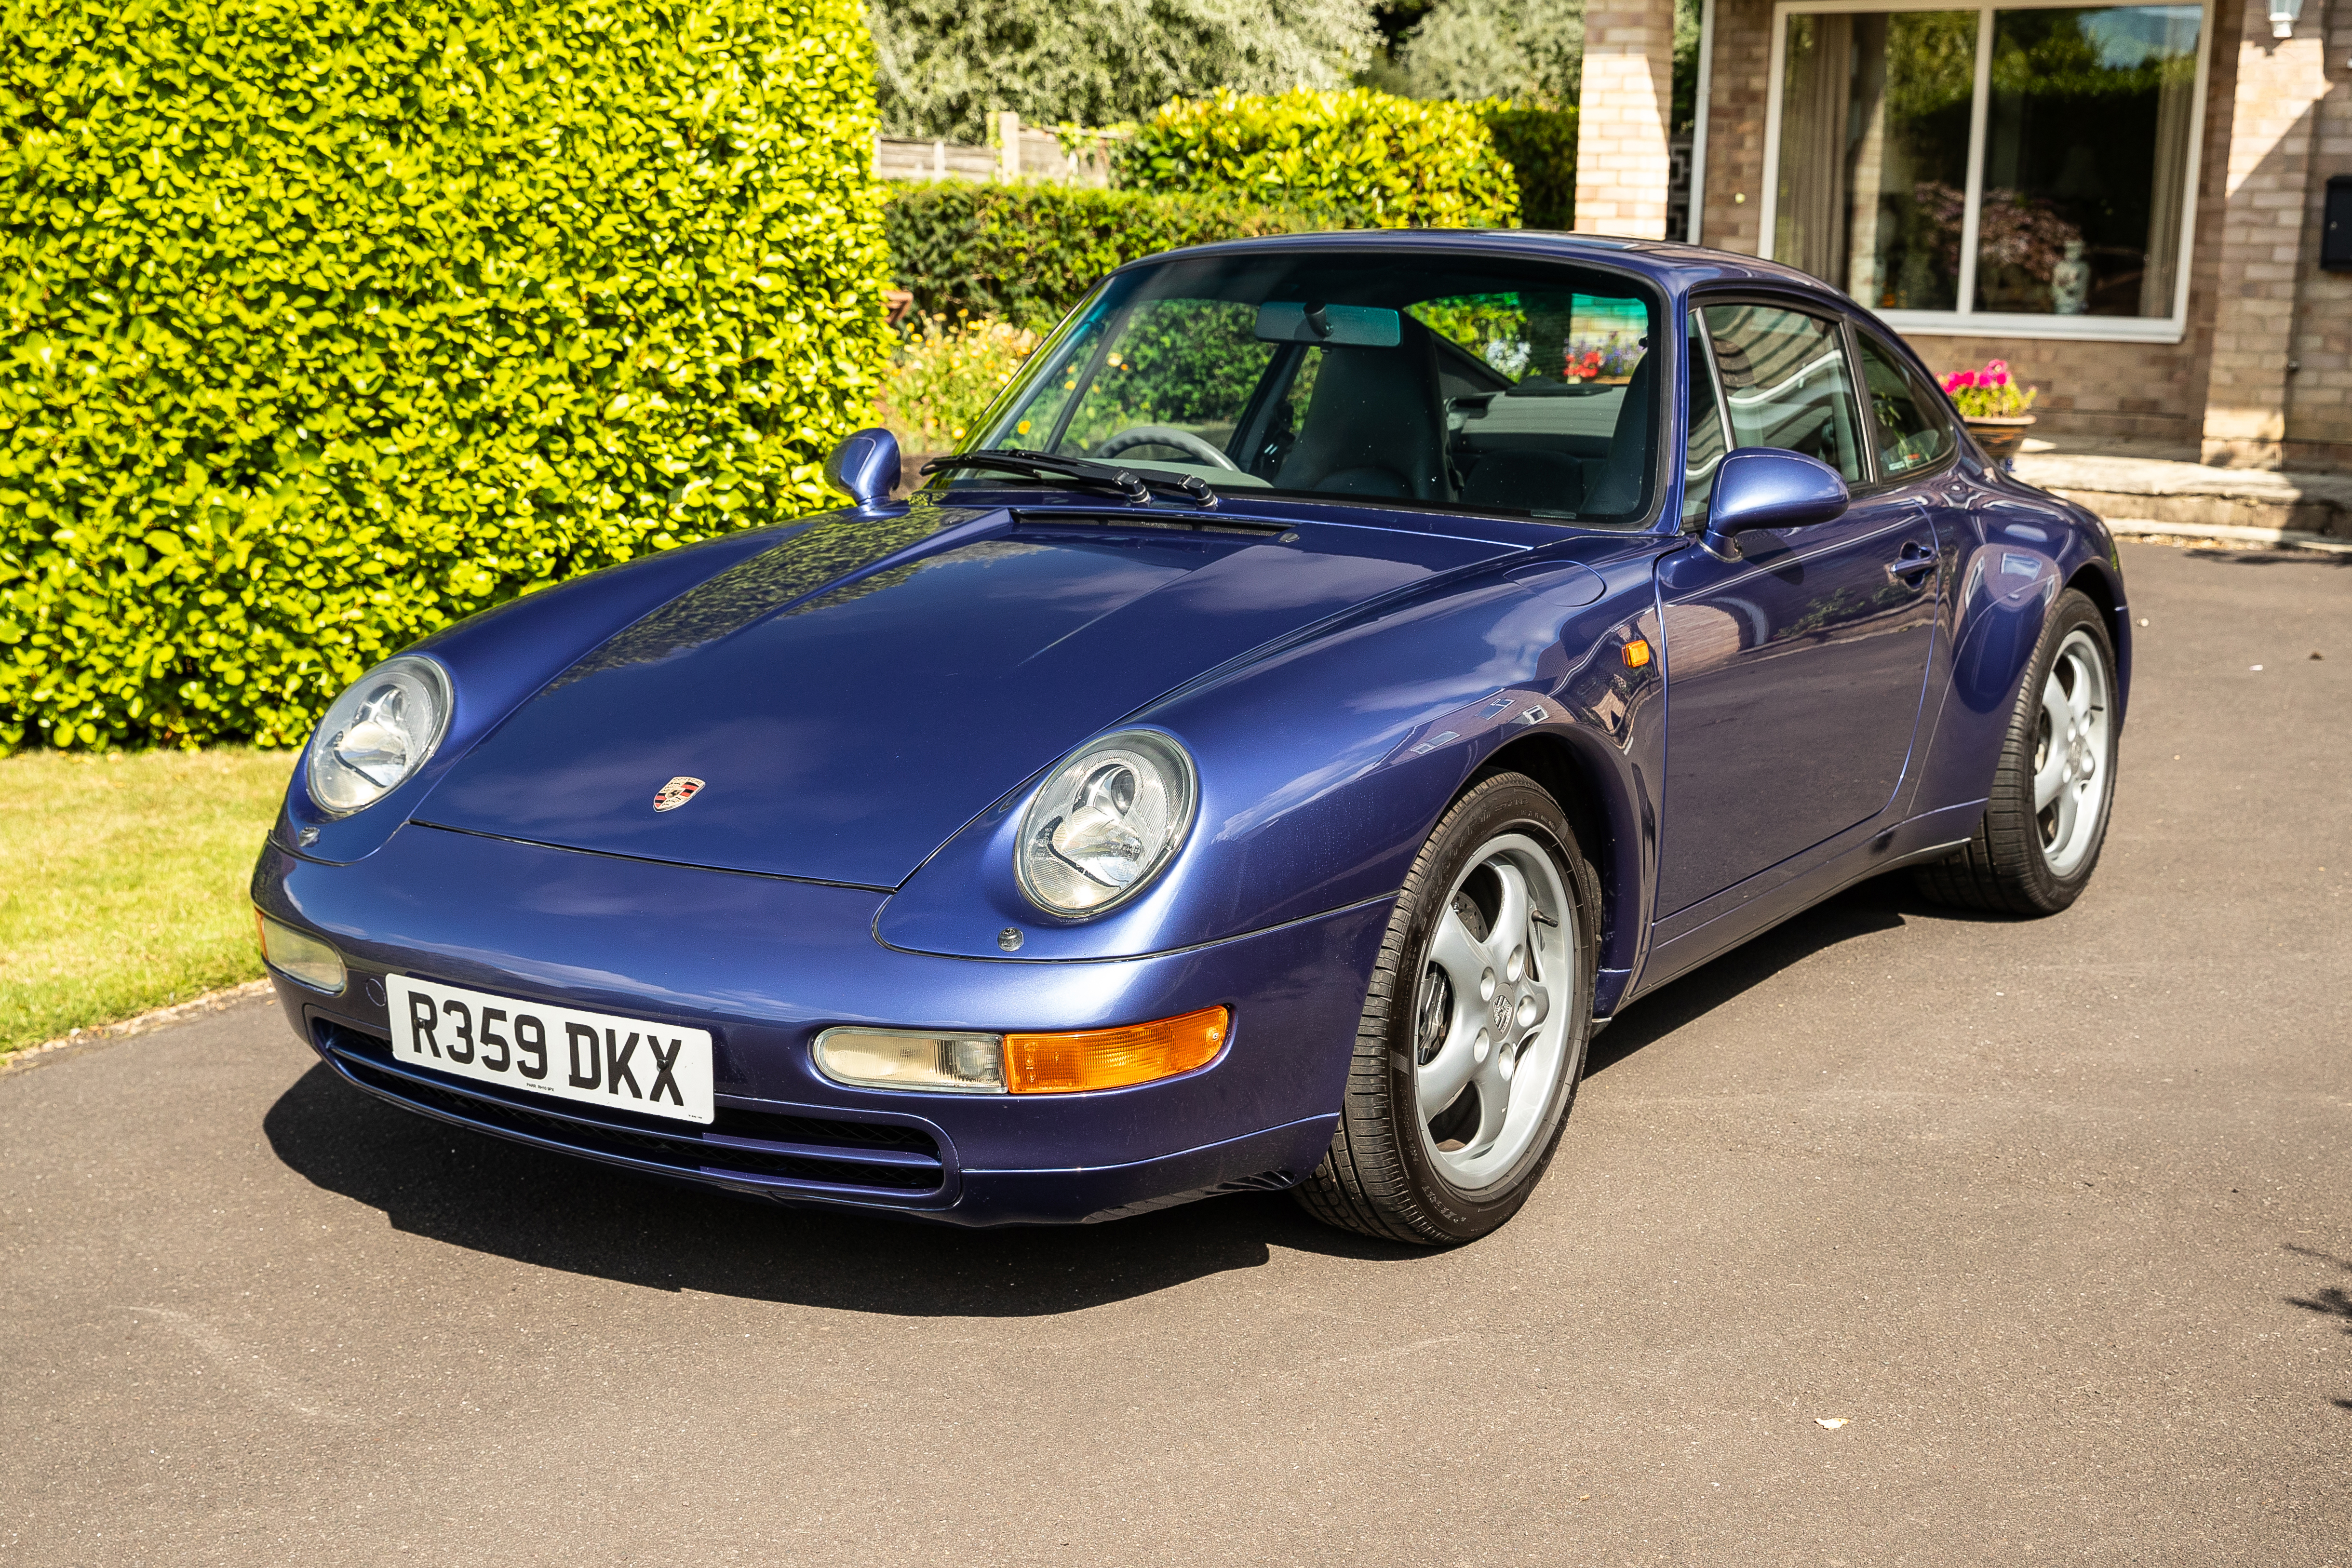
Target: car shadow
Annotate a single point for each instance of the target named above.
(554, 1212)
(1882, 904)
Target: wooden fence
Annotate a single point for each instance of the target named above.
(1018, 153)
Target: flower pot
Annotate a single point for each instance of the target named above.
(2001, 437)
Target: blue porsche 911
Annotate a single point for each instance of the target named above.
(1341, 673)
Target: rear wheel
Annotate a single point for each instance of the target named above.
(1473, 1031)
(2046, 821)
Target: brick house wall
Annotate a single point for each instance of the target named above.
(2319, 389)
(2154, 396)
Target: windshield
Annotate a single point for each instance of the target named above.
(1461, 382)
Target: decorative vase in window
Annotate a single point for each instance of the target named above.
(2069, 281)
(1995, 408)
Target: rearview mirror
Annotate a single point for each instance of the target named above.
(1765, 487)
(1337, 325)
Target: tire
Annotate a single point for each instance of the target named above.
(1460, 1170)
(2033, 854)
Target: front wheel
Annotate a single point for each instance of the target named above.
(1473, 1031)
(2039, 840)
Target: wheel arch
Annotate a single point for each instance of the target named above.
(2097, 582)
(1599, 807)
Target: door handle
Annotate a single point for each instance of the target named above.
(1908, 568)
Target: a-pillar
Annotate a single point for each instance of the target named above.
(1623, 166)
(2280, 84)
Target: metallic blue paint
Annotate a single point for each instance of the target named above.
(872, 692)
(1762, 487)
(865, 467)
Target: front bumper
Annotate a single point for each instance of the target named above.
(765, 965)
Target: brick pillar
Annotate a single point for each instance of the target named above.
(2280, 84)
(1732, 207)
(1621, 163)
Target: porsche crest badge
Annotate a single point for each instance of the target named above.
(676, 793)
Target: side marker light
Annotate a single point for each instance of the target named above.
(1636, 653)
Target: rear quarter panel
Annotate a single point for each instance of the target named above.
(2016, 549)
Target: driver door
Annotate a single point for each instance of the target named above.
(1794, 675)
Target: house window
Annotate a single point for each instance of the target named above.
(2021, 169)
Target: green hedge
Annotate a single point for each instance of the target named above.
(330, 321)
(1025, 254)
(1540, 146)
(1358, 159)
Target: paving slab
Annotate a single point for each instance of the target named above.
(1896, 1237)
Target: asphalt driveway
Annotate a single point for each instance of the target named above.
(2054, 1216)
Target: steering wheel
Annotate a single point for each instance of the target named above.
(1184, 441)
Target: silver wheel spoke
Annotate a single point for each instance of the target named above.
(1444, 1075)
(2080, 700)
(2050, 779)
(2069, 808)
(1462, 956)
(1510, 932)
(2055, 708)
(1494, 1111)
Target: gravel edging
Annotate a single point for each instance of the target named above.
(210, 1002)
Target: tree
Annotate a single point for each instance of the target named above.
(942, 64)
(1532, 51)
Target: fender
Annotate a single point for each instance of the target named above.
(1325, 763)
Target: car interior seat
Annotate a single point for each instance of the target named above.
(1615, 488)
(1375, 424)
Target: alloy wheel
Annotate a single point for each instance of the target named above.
(1492, 1014)
(2070, 753)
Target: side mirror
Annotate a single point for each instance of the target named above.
(1765, 487)
(865, 467)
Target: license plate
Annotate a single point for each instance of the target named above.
(595, 1059)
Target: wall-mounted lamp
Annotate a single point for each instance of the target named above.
(2283, 14)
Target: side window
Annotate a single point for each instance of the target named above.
(1785, 382)
(1704, 449)
(1907, 425)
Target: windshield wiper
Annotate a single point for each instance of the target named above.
(1127, 483)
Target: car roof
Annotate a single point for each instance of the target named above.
(1669, 263)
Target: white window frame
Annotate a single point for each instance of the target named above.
(1968, 321)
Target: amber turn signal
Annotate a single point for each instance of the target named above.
(1114, 1058)
(1636, 653)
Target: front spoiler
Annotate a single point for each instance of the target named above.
(1267, 1161)
(765, 964)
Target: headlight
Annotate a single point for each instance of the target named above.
(378, 732)
(1106, 824)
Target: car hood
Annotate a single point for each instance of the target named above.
(851, 697)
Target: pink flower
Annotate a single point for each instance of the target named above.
(1959, 380)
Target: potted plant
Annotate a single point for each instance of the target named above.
(1994, 406)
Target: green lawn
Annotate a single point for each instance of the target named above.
(124, 885)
